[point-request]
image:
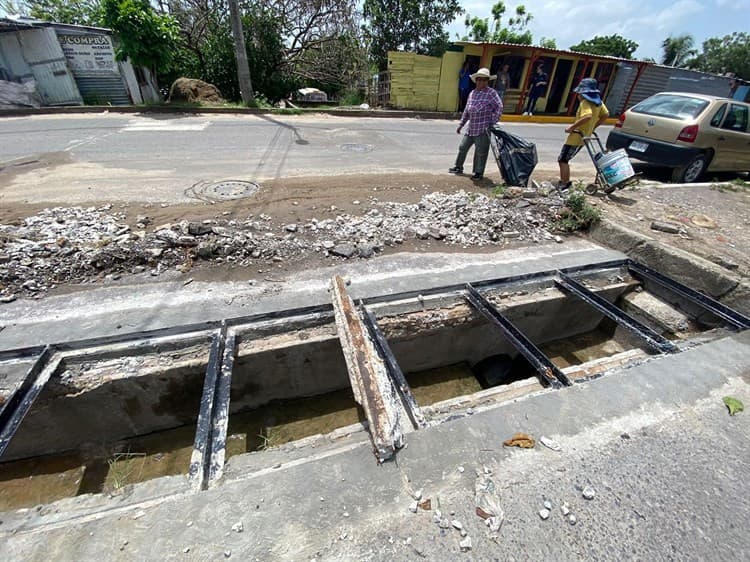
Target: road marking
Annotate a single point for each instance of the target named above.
(138, 125)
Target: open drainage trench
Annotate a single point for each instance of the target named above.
(116, 415)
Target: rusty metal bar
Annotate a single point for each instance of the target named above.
(368, 375)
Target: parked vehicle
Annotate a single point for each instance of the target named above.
(691, 133)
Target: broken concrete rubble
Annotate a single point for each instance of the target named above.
(65, 245)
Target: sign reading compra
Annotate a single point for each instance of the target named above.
(89, 53)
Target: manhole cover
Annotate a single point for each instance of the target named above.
(223, 190)
(355, 147)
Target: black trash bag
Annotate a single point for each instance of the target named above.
(516, 157)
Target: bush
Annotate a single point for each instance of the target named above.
(352, 97)
(577, 214)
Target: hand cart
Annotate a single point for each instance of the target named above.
(598, 156)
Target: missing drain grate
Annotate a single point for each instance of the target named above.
(223, 190)
(356, 147)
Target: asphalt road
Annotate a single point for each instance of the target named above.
(157, 157)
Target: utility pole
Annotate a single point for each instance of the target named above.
(240, 52)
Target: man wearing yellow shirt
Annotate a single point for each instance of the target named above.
(591, 113)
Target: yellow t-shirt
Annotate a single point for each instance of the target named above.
(596, 112)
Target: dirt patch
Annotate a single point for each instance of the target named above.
(712, 222)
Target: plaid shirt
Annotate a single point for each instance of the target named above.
(483, 110)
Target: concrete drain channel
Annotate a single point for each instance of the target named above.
(97, 416)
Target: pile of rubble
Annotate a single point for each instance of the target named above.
(78, 245)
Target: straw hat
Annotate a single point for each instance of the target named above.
(483, 73)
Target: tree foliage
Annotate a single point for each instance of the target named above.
(146, 37)
(677, 50)
(289, 44)
(610, 45)
(76, 12)
(548, 43)
(493, 31)
(409, 25)
(730, 53)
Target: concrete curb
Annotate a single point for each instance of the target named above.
(690, 269)
(384, 113)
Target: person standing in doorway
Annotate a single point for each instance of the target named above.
(464, 85)
(503, 81)
(591, 113)
(537, 89)
(483, 109)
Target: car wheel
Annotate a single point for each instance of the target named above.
(691, 171)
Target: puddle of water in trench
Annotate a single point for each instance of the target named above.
(283, 421)
(585, 347)
(443, 383)
(30, 482)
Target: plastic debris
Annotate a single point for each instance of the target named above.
(550, 443)
(487, 500)
(520, 440)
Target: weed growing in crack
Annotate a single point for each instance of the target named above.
(577, 214)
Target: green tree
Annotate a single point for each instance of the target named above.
(147, 38)
(610, 45)
(730, 53)
(484, 30)
(410, 25)
(76, 12)
(548, 43)
(206, 50)
(677, 50)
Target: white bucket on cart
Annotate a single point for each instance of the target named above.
(615, 167)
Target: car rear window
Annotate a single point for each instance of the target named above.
(674, 107)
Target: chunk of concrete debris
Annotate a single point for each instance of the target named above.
(344, 250)
(572, 519)
(238, 527)
(668, 227)
(414, 506)
(465, 544)
(521, 440)
(588, 493)
(550, 443)
(544, 514)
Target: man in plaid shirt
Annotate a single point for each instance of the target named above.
(483, 110)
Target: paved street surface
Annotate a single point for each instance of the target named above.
(80, 158)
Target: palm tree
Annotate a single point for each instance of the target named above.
(677, 50)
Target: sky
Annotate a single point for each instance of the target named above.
(647, 22)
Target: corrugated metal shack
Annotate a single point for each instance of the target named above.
(431, 83)
(70, 64)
